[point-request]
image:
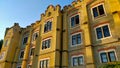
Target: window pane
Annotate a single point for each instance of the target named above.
(99, 33)
(75, 61)
(72, 22)
(45, 28)
(46, 63)
(95, 13)
(73, 39)
(43, 45)
(106, 31)
(103, 57)
(101, 10)
(49, 42)
(77, 19)
(112, 56)
(46, 43)
(78, 38)
(80, 59)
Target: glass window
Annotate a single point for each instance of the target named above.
(48, 26)
(73, 40)
(46, 44)
(99, 33)
(98, 11)
(75, 61)
(44, 63)
(112, 56)
(106, 31)
(80, 60)
(75, 21)
(104, 57)
(101, 10)
(76, 39)
(95, 13)
(34, 37)
(102, 32)
(72, 22)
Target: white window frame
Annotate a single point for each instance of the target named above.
(44, 59)
(98, 16)
(20, 54)
(50, 43)
(81, 39)
(77, 57)
(106, 51)
(102, 32)
(51, 20)
(71, 22)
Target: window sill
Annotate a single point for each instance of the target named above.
(100, 16)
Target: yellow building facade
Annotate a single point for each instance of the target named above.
(84, 34)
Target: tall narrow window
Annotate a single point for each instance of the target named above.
(75, 21)
(104, 57)
(44, 63)
(112, 56)
(48, 26)
(98, 11)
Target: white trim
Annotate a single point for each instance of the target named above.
(94, 18)
(50, 20)
(77, 57)
(44, 59)
(79, 20)
(76, 34)
(106, 51)
(45, 40)
(37, 32)
(102, 32)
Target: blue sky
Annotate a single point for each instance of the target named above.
(24, 12)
